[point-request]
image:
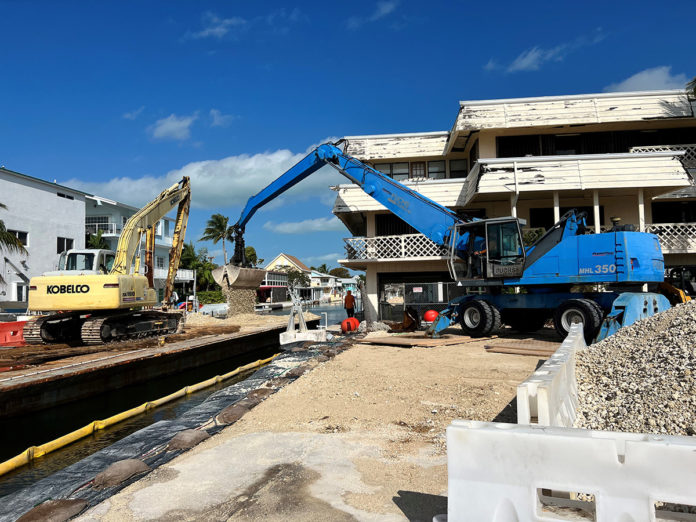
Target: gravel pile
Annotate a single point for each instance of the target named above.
(240, 300)
(643, 378)
(377, 326)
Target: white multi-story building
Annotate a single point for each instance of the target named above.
(47, 218)
(617, 155)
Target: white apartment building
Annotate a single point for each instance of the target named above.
(48, 218)
(629, 156)
(109, 217)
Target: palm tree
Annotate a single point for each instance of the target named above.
(98, 242)
(217, 229)
(8, 241)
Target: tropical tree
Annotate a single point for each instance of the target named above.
(8, 241)
(297, 279)
(201, 263)
(217, 229)
(252, 258)
(98, 242)
(323, 269)
(340, 272)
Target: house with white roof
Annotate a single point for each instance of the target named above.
(617, 156)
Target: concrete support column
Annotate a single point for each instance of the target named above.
(641, 210)
(556, 207)
(370, 224)
(595, 202)
(372, 304)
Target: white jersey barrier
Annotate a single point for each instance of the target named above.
(510, 472)
(549, 397)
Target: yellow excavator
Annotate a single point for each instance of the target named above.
(98, 296)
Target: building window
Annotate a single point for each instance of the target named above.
(158, 228)
(159, 262)
(400, 171)
(124, 220)
(166, 227)
(66, 196)
(22, 236)
(64, 243)
(436, 169)
(384, 168)
(21, 291)
(459, 168)
(418, 169)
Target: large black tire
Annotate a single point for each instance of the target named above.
(524, 320)
(479, 318)
(572, 311)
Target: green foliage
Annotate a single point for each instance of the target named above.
(210, 297)
(297, 279)
(321, 268)
(250, 253)
(217, 229)
(339, 272)
(9, 241)
(530, 236)
(199, 261)
(98, 242)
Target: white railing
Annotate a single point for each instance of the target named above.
(675, 238)
(106, 228)
(689, 158)
(392, 247)
(183, 274)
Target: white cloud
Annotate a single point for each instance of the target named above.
(133, 114)
(219, 119)
(216, 27)
(382, 9)
(222, 183)
(535, 57)
(333, 257)
(173, 127)
(655, 78)
(322, 224)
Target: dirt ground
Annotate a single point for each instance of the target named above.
(360, 437)
(196, 325)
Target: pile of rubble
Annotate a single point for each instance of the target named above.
(240, 300)
(643, 378)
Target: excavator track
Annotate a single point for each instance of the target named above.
(91, 330)
(137, 325)
(32, 331)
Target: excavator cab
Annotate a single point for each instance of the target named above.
(487, 249)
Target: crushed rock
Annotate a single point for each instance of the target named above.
(377, 326)
(643, 378)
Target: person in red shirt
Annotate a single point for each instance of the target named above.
(349, 304)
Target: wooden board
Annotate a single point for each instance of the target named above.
(413, 340)
(523, 347)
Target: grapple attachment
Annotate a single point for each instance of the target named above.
(233, 276)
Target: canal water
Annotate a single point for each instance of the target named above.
(19, 433)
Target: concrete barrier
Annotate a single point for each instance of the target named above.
(549, 396)
(12, 333)
(508, 472)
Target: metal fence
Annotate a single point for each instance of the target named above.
(395, 297)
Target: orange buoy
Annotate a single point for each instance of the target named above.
(430, 316)
(350, 325)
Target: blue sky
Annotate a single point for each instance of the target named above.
(123, 98)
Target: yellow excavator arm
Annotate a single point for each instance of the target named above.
(144, 222)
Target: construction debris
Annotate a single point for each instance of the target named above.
(643, 378)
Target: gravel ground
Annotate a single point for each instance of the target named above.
(642, 379)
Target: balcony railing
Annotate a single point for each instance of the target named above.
(392, 247)
(689, 158)
(106, 228)
(675, 238)
(182, 274)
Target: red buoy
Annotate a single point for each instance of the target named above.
(350, 325)
(430, 316)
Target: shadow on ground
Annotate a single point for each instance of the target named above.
(420, 507)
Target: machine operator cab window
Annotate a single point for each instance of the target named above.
(488, 249)
(99, 262)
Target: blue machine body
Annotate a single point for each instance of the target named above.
(564, 257)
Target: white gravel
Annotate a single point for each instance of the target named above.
(642, 379)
